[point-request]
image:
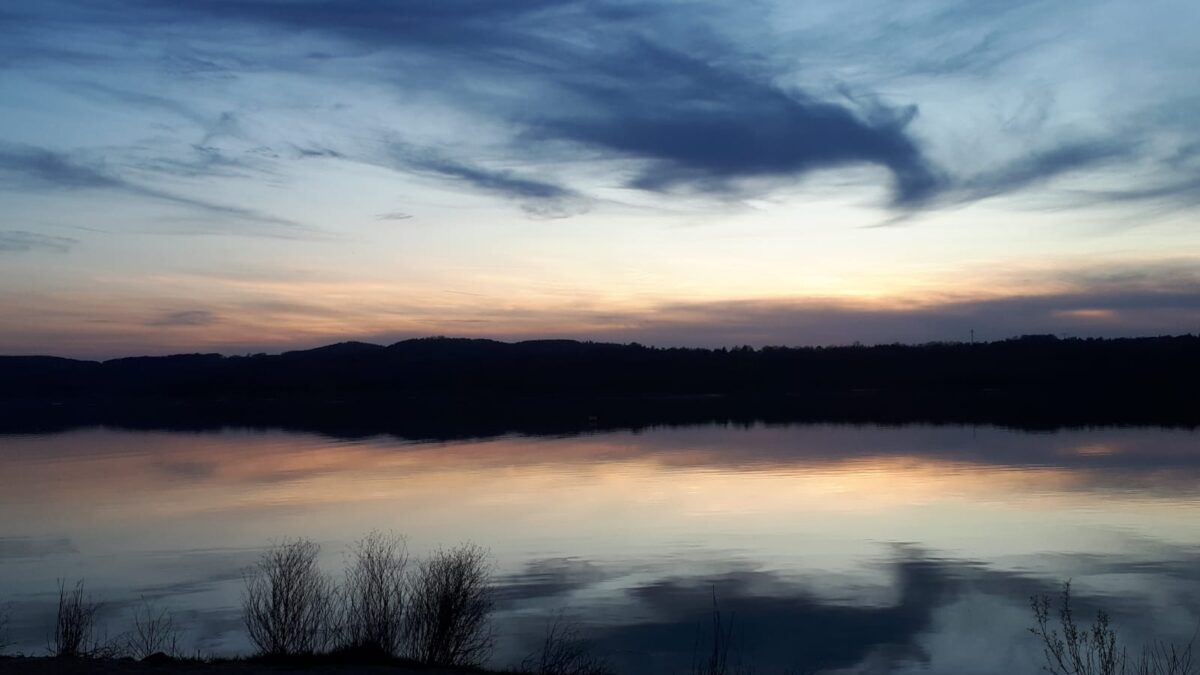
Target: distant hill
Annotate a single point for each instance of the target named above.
(1136, 368)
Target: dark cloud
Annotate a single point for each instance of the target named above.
(1135, 309)
(703, 126)
(711, 99)
(699, 115)
(20, 241)
(317, 151)
(192, 317)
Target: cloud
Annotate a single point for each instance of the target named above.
(715, 100)
(138, 99)
(39, 168)
(1111, 313)
(499, 182)
(1040, 166)
(316, 151)
(1118, 301)
(191, 317)
(20, 241)
(538, 198)
(1175, 192)
(704, 126)
(700, 115)
(393, 215)
(576, 97)
(199, 161)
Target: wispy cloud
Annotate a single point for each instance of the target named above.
(1040, 166)
(538, 198)
(699, 115)
(702, 101)
(37, 167)
(488, 180)
(393, 215)
(33, 168)
(19, 241)
(190, 317)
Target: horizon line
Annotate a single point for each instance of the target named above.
(1049, 337)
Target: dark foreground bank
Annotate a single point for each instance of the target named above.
(55, 666)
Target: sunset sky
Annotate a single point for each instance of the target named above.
(261, 175)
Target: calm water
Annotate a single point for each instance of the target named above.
(871, 549)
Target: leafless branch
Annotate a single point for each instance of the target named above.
(449, 604)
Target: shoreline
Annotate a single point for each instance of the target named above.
(51, 665)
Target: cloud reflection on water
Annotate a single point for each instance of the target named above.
(798, 529)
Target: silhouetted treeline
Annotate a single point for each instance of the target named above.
(447, 388)
(1141, 366)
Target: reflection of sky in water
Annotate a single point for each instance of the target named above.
(869, 548)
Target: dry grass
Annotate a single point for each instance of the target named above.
(716, 659)
(563, 652)
(75, 624)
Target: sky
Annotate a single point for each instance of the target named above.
(262, 175)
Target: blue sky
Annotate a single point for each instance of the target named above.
(257, 175)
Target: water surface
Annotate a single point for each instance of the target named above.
(864, 548)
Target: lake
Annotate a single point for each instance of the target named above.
(875, 549)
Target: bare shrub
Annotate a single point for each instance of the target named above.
(1071, 649)
(563, 652)
(374, 596)
(288, 603)
(75, 623)
(449, 604)
(153, 632)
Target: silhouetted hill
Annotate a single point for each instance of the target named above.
(454, 388)
(1141, 367)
